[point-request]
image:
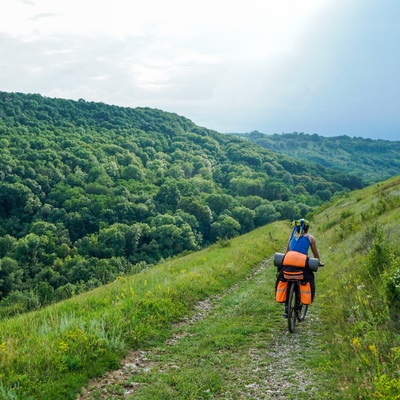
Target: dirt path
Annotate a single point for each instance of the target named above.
(277, 374)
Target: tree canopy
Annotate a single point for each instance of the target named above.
(90, 191)
(371, 160)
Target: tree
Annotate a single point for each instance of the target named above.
(288, 210)
(111, 242)
(7, 245)
(28, 249)
(265, 214)
(45, 293)
(225, 227)
(245, 217)
(172, 239)
(202, 213)
(10, 275)
(168, 196)
(220, 202)
(15, 199)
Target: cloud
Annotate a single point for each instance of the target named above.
(325, 66)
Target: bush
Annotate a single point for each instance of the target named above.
(387, 387)
(392, 289)
(379, 254)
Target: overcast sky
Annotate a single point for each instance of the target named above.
(316, 66)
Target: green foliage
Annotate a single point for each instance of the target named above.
(82, 184)
(387, 387)
(359, 293)
(392, 287)
(370, 160)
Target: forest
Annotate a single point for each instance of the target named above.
(371, 160)
(90, 192)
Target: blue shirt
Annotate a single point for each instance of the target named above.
(300, 244)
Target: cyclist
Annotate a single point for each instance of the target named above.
(301, 241)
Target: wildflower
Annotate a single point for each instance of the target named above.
(63, 346)
(356, 343)
(3, 346)
(372, 349)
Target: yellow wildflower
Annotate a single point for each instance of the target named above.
(356, 343)
(63, 346)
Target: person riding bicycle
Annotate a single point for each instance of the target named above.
(301, 241)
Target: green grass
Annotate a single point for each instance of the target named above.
(223, 356)
(362, 350)
(52, 353)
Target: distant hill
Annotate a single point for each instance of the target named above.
(371, 160)
(90, 191)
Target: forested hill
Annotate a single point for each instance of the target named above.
(89, 191)
(371, 160)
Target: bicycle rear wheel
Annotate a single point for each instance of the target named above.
(292, 308)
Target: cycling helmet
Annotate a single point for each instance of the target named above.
(300, 225)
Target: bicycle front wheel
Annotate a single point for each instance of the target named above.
(292, 308)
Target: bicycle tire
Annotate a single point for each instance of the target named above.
(292, 308)
(303, 312)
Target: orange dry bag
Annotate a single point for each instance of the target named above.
(295, 259)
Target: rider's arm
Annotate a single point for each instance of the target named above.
(314, 247)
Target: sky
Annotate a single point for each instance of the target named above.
(329, 67)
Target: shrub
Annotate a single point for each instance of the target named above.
(379, 252)
(392, 289)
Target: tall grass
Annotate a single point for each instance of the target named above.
(358, 295)
(52, 353)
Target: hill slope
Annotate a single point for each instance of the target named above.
(90, 191)
(346, 348)
(371, 160)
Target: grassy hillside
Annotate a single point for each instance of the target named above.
(51, 353)
(371, 160)
(90, 191)
(347, 348)
(360, 297)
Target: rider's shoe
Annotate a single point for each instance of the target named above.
(299, 308)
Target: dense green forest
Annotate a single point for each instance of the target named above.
(371, 160)
(90, 191)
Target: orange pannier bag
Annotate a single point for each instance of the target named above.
(305, 293)
(281, 290)
(295, 259)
